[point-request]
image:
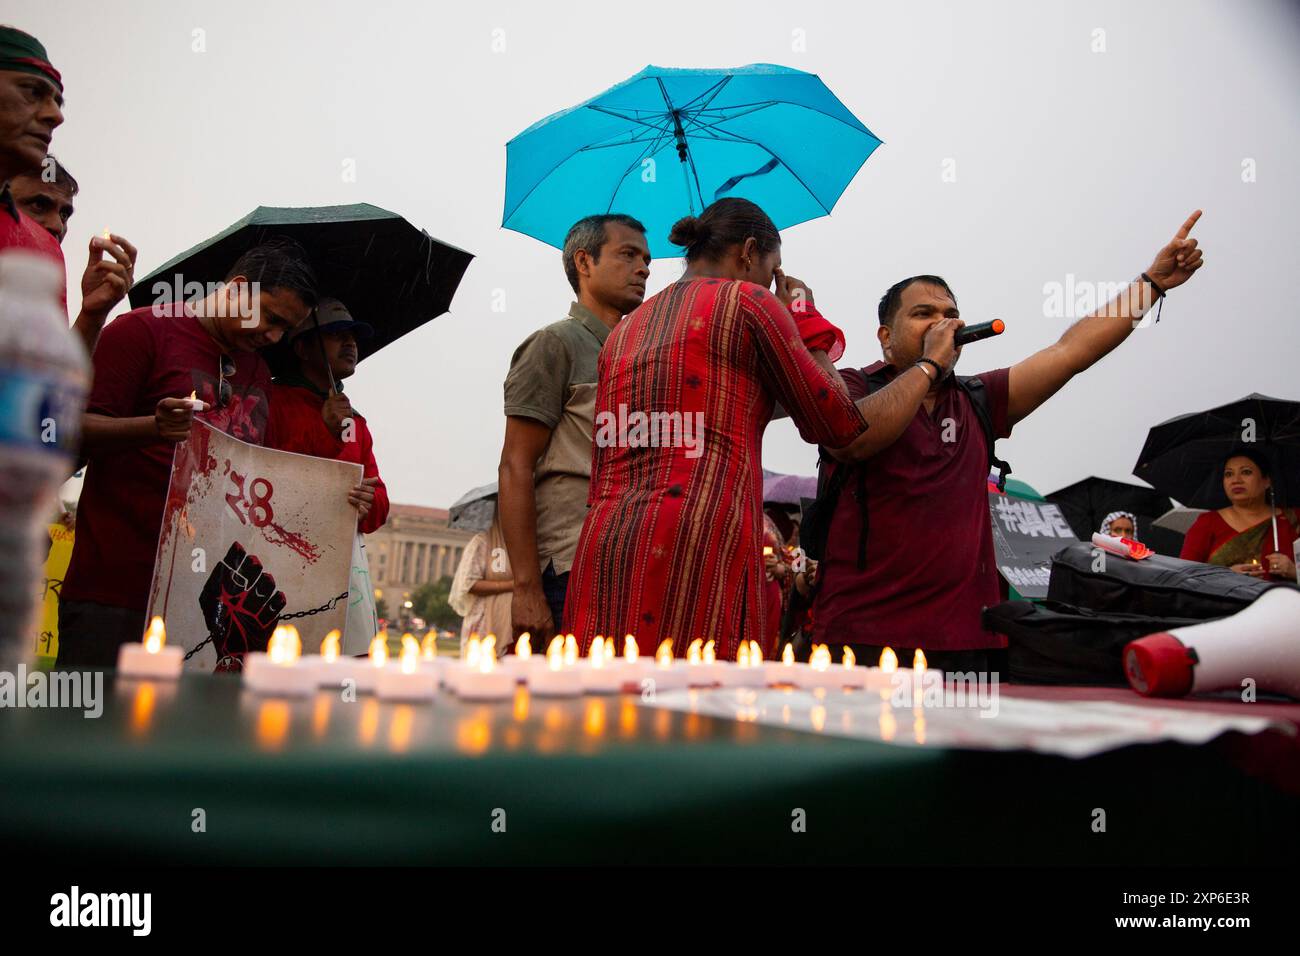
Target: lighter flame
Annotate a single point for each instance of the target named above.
(850, 659)
(156, 637)
(379, 649)
(918, 660)
(630, 651)
(329, 648)
(693, 651)
(664, 655)
(787, 655)
(888, 660)
(555, 653)
(524, 646)
(570, 650)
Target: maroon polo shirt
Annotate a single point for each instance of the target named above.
(930, 568)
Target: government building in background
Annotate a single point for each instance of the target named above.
(414, 547)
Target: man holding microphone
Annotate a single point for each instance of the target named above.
(906, 545)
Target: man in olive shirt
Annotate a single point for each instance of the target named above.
(550, 399)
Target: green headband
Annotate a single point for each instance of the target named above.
(23, 53)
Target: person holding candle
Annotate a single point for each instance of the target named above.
(907, 552)
(1241, 536)
(148, 361)
(672, 545)
(310, 415)
(549, 396)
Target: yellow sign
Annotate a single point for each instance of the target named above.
(56, 566)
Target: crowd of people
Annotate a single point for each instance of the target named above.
(657, 532)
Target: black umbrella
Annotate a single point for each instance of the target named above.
(1086, 503)
(388, 273)
(1184, 456)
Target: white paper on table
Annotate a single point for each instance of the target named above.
(1065, 728)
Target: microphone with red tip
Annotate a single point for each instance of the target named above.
(973, 333)
(1260, 642)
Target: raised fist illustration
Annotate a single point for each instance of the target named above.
(240, 605)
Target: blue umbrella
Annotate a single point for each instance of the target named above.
(667, 142)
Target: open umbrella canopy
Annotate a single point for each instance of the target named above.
(1086, 503)
(386, 271)
(667, 142)
(788, 489)
(473, 510)
(1183, 457)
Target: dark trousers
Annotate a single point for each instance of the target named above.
(986, 660)
(554, 586)
(90, 633)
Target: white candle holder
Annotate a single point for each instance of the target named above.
(478, 685)
(565, 682)
(135, 660)
(264, 676)
(393, 683)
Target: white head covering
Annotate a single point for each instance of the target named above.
(1114, 516)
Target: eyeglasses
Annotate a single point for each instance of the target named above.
(225, 370)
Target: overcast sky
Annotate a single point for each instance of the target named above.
(1064, 160)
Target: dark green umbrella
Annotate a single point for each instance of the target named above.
(388, 273)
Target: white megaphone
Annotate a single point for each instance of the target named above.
(1260, 642)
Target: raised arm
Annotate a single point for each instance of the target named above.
(1042, 375)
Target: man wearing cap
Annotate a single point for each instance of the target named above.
(31, 100)
(310, 415)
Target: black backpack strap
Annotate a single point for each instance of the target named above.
(974, 388)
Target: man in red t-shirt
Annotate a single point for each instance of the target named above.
(31, 100)
(146, 365)
(922, 570)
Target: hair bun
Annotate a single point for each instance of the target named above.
(688, 231)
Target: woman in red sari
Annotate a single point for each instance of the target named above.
(672, 544)
(1240, 536)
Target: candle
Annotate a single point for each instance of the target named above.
(559, 679)
(197, 404)
(632, 666)
(699, 667)
(749, 670)
(429, 659)
(472, 654)
(850, 674)
(882, 677)
(667, 674)
(151, 657)
(362, 671)
(406, 679)
(782, 673)
(278, 670)
(520, 664)
(602, 675)
(487, 681)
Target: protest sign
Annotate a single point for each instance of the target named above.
(251, 537)
(1025, 536)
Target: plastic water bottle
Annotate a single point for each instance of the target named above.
(43, 379)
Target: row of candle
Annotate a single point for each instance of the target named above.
(419, 672)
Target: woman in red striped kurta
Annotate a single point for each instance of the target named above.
(672, 545)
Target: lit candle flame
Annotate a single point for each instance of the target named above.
(609, 649)
(596, 653)
(555, 653)
(108, 236)
(820, 659)
(693, 651)
(767, 549)
(850, 659)
(473, 649)
(193, 397)
(280, 647)
(524, 646)
(918, 660)
(570, 650)
(429, 648)
(755, 654)
(488, 660)
(630, 652)
(293, 643)
(664, 655)
(710, 653)
(489, 647)
(379, 649)
(742, 654)
(410, 654)
(787, 655)
(329, 648)
(156, 636)
(888, 660)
